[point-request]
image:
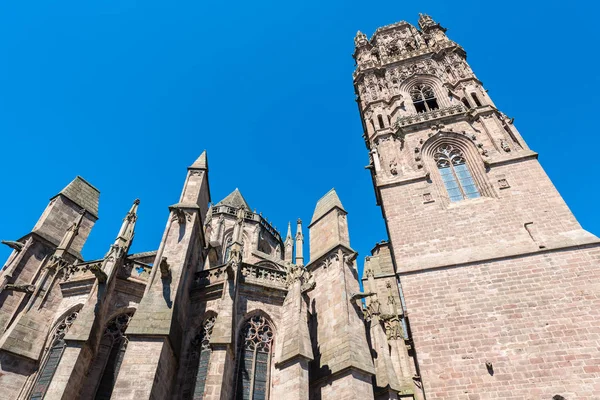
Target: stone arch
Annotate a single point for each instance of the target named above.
(255, 352)
(52, 352)
(268, 264)
(247, 316)
(428, 79)
(196, 358)
(105, 365)
(472, 156)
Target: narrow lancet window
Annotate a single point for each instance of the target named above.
(455, 173)
(52, 358)
(110, 355)
(380, 120)
(198, 361)
(476, 99)
(423, 98)
(254, 360)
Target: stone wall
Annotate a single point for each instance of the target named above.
(534, 318)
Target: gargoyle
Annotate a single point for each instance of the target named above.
(98, 273)
(18, 246)
(165, 269)
(20, 288)
(360, 296)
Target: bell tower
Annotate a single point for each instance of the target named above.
(476, 227)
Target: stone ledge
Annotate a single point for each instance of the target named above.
(568, 241)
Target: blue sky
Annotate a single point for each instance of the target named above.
(127, 94)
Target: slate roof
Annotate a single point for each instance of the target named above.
(325, 204)
(82, 193)
(235, 199)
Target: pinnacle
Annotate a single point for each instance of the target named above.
(326, 204)
(289, 231)
(201, 162)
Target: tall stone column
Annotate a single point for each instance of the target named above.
(343, 364)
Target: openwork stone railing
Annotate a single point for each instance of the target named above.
(429, 115)
(252, 274)
(264, 276)
(249, 216)
(211, 276)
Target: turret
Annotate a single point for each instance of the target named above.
(299, 243)
(289, 244)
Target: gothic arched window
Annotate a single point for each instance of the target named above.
(103, 373)
(54, 353)
(455, 173)
(254, 359)
(423, 98)
(197, 362)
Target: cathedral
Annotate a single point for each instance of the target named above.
(487, 287)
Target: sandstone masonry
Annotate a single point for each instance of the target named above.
(487, 287)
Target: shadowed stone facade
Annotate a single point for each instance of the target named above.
(487, 287)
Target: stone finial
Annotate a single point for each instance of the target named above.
(125, 236)
(426, 23)
(299, 243)
(360, 39)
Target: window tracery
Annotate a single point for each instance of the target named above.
(197, 363)
(423, 98)
(254, 359)
(53, 356)
(455, 173)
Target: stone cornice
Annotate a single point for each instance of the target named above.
(579, 239)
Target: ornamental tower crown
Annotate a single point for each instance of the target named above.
(414, 83)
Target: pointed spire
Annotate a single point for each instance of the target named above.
(299, 243)
(325, 204)
(201, 162)
(69, 236)
(235, 200)
(289, 244)
(125, 236)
